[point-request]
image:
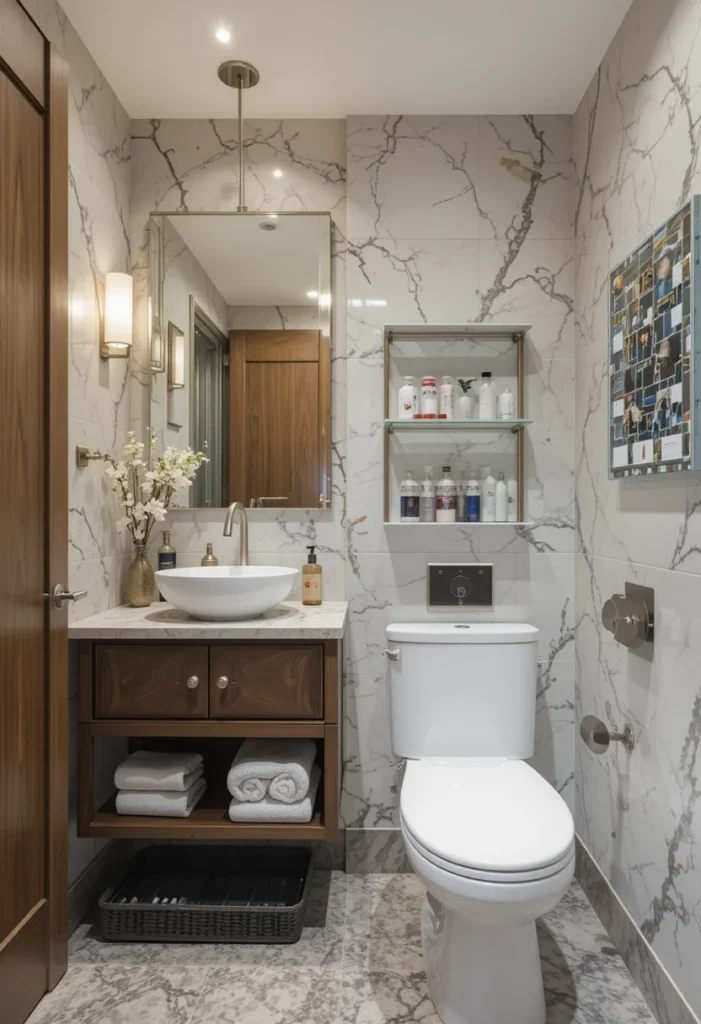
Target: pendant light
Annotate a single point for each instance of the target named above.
(239, 75)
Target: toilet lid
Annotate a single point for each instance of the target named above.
(486, 813)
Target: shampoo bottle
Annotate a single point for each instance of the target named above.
(489, 498)
(167, 558)
(501, 500)
(487, 404)
(446, 498)
(311, 579)
(512, 500)
(473, 501)
(427, 497)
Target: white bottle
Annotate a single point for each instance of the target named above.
(489, 498)
(505, 405)
(446, 397)
(427, 497)
(501, 500)
(512, 500)
(446, 498)
(408, 406)
(487, 409)
(409, 499)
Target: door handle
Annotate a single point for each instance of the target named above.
(59, 595)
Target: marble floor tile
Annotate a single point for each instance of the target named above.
(382, 997)
(359, 961)
(383, 924)
(269, 995)
(122, 994)
(321, 944)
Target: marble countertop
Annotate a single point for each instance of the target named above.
(290, 620)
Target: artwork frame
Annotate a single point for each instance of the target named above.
(653, 360)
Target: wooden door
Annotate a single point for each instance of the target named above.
(279, 429)
(33, 384)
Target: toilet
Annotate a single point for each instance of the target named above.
(490, 839)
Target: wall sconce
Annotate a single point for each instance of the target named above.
(176, 357)
(118, 320)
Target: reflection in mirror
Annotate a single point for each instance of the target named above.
(250, 375)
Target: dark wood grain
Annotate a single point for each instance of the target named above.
(22, 49)
(150, 681)
(23, 681)
(218, 728)
(267, 682)
(57, 525)
(23, 965)
(331, 780)
(280, 416)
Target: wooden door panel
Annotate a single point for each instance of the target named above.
(151, 681)
(23, 690)
(282, 402)
(266, 682)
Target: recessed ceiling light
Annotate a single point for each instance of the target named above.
(312, 295)
(223, 35)
(277, 173)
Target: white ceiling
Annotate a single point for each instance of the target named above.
(331, 58)
(251, 267)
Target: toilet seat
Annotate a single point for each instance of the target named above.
(488, 819)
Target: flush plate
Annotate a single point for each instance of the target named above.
(468, 585)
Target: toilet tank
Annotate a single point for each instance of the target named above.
(462, 689)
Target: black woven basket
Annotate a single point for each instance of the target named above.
(209, 894)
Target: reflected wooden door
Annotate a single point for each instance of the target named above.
(33, 697)
(279, 417)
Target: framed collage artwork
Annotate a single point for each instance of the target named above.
(653, 426)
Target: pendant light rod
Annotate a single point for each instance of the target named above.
(239, 75)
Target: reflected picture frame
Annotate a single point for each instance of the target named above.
(176, 357)
(157, 341)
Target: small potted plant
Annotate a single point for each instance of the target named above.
(146, 495)
(466, 399)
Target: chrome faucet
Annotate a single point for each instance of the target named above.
(235, 507)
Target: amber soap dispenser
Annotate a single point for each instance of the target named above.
(311, 579)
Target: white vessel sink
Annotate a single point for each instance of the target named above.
(226, 592)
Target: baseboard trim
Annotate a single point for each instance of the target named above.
(375, 851)
(661, 993)
(84, 893)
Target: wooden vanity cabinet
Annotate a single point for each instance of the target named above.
(208, 695)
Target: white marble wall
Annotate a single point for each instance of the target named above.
(452, 220)
(637, 152)
(99, 187)
(193, 165)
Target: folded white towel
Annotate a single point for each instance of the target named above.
(158, 772)
(162, 805)
(260, 763)
(273, 810)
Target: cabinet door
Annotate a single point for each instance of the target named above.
(151, 681)
(254, 681)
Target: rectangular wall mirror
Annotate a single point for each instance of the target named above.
(251, 297)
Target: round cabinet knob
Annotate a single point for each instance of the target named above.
(193, 682)
(222, 682)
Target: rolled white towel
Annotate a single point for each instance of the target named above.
(161, 805)
(272, 810)
(261, 762)
(158, 772)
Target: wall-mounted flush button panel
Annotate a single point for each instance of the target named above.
(460, 586)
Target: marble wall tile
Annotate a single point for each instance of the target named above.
(454, 220)
(636, 145)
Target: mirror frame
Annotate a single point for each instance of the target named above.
(325, 498)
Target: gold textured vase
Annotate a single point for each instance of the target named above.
(141, 583)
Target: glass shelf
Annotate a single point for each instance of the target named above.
(445, 526)
(503, 426)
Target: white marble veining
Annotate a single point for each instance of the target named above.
(455, 220)
(637, 135)
(290, 620)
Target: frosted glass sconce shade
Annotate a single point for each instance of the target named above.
(118, 321)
